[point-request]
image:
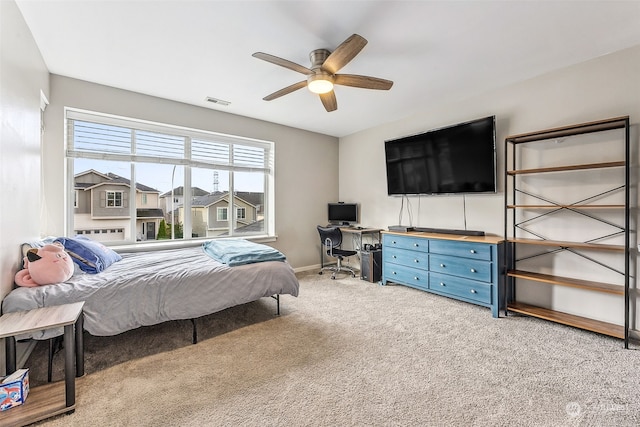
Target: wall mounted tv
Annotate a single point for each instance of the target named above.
(342, 213)
(453, 159)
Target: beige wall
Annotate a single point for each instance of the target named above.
(306, 163)
(306, 175)
(23, 75)
(605, 87)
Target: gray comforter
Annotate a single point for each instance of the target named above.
(147, 288)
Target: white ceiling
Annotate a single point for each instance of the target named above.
(434, 51)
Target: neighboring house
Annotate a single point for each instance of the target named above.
(210, 213)
(178, 199)
(101, 206)
(256, 199)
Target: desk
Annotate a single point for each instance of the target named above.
(357, 235)
(44, 402)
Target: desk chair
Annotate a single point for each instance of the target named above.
(331, 239)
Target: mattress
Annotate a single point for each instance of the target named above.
(146, 288)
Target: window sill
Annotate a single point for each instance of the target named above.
(177, 244)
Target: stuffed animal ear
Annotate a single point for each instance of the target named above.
(32, 255)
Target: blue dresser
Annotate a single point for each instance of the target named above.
(466, 268)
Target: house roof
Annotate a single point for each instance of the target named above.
(111, 178)
(212, 198)
(140, 187)
(149, 213)
(253, 227)
(253, 198)
(179, 191)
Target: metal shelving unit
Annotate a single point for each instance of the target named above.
(516, 224)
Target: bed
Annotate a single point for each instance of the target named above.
(147, 288)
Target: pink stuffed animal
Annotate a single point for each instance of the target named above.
(44, 266)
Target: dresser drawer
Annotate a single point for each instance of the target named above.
(459, 287)
(405, 242)
(404, 257)
(406, 275)
(469, 268)
(460, 248)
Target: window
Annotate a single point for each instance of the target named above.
(114, 199)
(126, 173)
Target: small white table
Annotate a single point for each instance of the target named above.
(44, 401)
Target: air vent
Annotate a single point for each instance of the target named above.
(217, 101)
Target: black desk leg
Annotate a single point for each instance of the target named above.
(79, 346)
(10, 355)
(69, 371)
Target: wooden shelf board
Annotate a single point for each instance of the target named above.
(566, 206)
(578, 129)
(567, 168)
(567, 281)
(576, 245)
(42, 402)
(592, 325)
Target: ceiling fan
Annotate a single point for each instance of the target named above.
(321, 76)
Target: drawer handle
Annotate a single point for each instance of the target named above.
(416, 245)
(442, 265)
(472, 251)
(473, 291)
(442, 284)
(394, 242)
(416, 278)
(473, 270)
(416, 260)
(393, 272)
(394, 257)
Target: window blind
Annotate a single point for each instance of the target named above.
(104, 137)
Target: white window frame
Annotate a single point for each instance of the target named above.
(243, 210)
(267, 167)
(115, 199)
(222, 213)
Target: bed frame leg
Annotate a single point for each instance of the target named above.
(194, 336)
(50, 361)
(55, 345)
(277, 298)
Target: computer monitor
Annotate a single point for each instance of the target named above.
(342, 213)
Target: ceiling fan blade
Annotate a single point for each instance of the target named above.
(329, 101)
(282, 62)
(344, 53)
(364, 82)
(285, 90)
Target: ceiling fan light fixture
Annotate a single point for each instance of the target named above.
(320, 83)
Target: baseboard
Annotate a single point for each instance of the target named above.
(311, 267)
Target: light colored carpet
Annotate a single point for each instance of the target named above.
(351, 353)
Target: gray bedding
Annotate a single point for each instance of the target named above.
(147, 288)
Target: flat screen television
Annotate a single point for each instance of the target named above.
(342, 213)
(455, 159)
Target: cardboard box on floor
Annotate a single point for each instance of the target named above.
(14, 389)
